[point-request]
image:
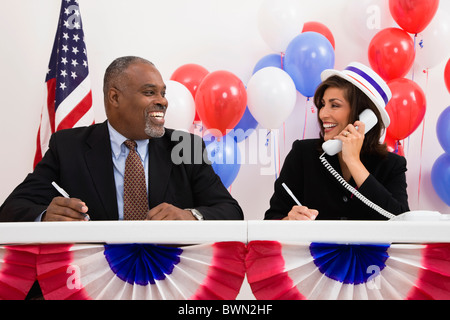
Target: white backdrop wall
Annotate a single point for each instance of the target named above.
(219, 35)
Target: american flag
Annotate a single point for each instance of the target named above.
(68, 101)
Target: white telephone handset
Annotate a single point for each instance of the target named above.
(368, 117)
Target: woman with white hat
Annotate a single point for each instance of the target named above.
(363, 181)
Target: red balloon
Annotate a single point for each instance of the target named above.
(319, 28)
(220, 101)
(413, 16)
(394, 146)
(190, 75)
(406, 108)
(447, 75)
(391, 53)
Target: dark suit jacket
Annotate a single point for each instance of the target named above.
(79, 160)
(316, 188)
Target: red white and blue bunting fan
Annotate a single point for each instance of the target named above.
(321, 271)
(17, 271)
(141, 271)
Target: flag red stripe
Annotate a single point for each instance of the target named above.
(38, 155)
(51, 89)
(76, 113)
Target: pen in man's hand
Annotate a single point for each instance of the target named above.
(66, 195)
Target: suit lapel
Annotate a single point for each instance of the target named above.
(99, 163)
(160, 167)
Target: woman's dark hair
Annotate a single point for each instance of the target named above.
(358, 101)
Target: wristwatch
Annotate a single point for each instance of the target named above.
(197, 215)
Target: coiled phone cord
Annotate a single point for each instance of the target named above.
(341, 180)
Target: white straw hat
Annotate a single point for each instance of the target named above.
(369, 82)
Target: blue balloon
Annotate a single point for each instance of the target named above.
(443, 129)
(307, 55)
(245, 126)
(271, 60)
(440, 177)
(225, 157)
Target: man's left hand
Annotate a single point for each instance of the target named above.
(165, 211)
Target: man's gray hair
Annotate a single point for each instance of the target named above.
(117, 67)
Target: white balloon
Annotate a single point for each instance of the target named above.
(433, 43)
(181, 111)
(279, 22)
(271, 97)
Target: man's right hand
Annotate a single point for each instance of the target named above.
(66, 209)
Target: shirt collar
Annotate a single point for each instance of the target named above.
(118, 147)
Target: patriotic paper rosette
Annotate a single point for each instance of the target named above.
(141, 271)
(17, 271)
(348, 271)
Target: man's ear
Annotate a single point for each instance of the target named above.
(113, 96)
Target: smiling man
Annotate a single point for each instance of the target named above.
(135, 102)
(89, 163)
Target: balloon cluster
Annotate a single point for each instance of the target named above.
(302, 50)
(221, 102)
(392, 53)
(218, 99)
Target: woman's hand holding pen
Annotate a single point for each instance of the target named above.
(301, 213)
(66, 209)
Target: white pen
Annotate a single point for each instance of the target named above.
(291, 194)
(60, 190)
(66, 195)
